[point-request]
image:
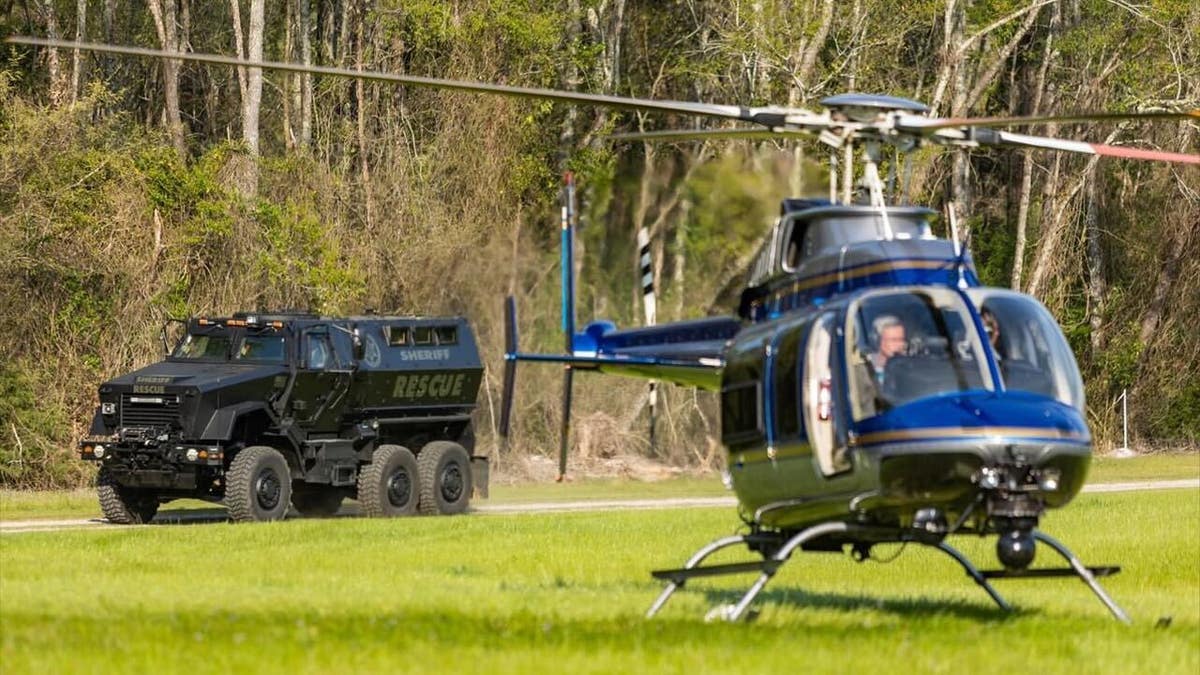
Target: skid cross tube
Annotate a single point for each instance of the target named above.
(697, 558)
(783, 554)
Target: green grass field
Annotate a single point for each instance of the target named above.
(15, 505)
(566, 593)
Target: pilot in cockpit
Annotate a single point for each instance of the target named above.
(889, 338)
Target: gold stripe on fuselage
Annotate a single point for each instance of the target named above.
(937, 433)
(846, 275)
(764, 455)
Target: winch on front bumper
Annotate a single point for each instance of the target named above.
(152, 457)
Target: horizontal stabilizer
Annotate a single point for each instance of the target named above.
(689, 353)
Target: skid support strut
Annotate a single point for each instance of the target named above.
(974, 573)
(1085, 574)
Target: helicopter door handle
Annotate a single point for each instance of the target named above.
(825, 400)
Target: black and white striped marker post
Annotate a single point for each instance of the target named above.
(649, 304)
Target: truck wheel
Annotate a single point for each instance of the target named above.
(445, 478)
(122, 505)
(317, 502)
(258, 485)
(390, 484)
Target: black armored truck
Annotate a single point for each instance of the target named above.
(266, 410)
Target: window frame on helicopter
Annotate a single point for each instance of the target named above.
(947, 299)
(1025, 315)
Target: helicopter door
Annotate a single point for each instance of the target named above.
(820, 398)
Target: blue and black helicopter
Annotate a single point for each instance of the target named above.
(871, 389)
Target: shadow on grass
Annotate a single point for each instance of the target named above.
(982, 610)
(219, 514)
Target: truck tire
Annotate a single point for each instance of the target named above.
(445, 469)
(317, 502)
(390, 484)
(122, 505)
(258, 485)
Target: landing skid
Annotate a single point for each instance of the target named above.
(769, 565)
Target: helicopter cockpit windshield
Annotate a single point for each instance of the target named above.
(903, 345)
(1030, 349)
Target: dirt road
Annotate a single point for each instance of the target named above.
(216, 515)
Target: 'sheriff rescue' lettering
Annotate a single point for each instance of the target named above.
(425, 355)
(441, 385)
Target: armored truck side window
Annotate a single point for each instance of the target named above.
(397, 336)
(316, 350)
(422, 335)
(446, 335)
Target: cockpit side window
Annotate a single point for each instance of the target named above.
(906, 345)
(1030, 349)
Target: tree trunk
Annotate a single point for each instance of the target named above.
(57, 86)
(1097, 284)
(1177, 245)
(361, 117)
(290, 94)
(80, 33)
(253, 100)
(167, 28)
(951, 37)
(679, 251)
(1048, 235)
(1048, 55)
(306, 84)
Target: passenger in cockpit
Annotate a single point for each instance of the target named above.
(992, 326)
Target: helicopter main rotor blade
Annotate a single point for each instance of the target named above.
(768, 116)
(953, 122)
(667, 135)
(1009, 138)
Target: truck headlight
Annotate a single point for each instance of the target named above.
(192, 454)
(108, 408)
(98, 451)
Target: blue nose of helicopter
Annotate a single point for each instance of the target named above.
(1010, 440)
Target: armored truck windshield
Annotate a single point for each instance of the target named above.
(261, 348)
(202, 347)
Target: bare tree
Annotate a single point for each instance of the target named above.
(1048, 56)
(304, 25)
(80, 32)
(249, 47)
(168, 36)
(57, 85)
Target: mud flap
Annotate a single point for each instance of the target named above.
(479, 475)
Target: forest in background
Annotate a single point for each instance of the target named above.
(132, 190)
